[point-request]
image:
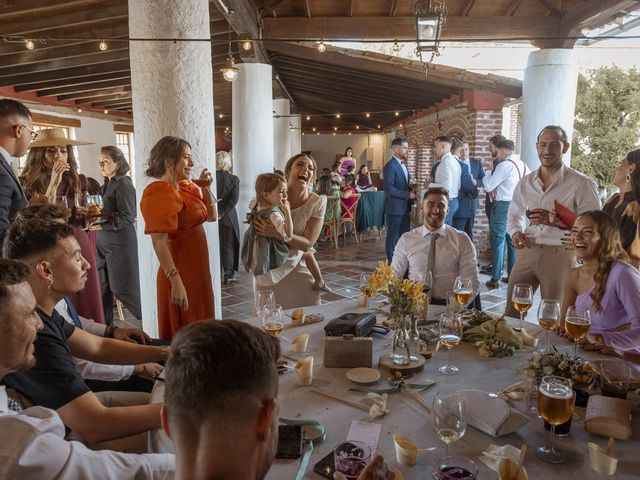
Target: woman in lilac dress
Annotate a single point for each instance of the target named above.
(605, 284)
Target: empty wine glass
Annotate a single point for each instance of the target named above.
(61, 201)
(577, 323)
(264, 298)
(522, 298)
(450, 331)
(548, 317)
(463, 291)
(448, 418)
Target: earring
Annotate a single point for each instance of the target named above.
(628, 178)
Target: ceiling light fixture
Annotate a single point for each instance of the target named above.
(308, 117)
(246, 45)
(396, 47)
(368, 115)
(230, 71)
(321, 47)
(30, 44)
(103, 46)
(431, 20)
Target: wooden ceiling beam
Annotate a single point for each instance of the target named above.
(403, 28)
(307, 9)
(72, 82)
(594, 14)
(102, 88)
(552, 7)
(15, 10)
(394, 8)
(63, 75)
(467, 8)
(99, 96)
(513, 7)
(112, 103)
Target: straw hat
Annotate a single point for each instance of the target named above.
(52, 137)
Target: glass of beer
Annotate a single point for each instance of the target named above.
(272, 320)
(365, 289)
(450, 331)
(548, 317)
(577, 323)
(522, 298)
(463, 291)
(556, 400)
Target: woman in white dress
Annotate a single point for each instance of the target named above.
(307, 212)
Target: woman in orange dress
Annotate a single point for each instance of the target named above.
(174, 209)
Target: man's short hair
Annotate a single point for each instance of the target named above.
(456, 144)
(398, 141)
(9, 107)
(563, 134)
(496, 139)
(435, 191)
(11, 273)
(41, 211)
(30, 237)
(443, 139)
(217, 370)
(508, 144)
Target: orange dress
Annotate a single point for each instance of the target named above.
(180, 213)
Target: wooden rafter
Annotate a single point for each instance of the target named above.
(65, 73)
(63, 63)
(394, 8)
(14, 10)
(307, 9)
(551, 7)
(468, 7)
(73, 81)
(513, 7)
(594, 13)
(350, 13)
(68, 93)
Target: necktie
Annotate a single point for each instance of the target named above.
(431, 256)
(74, 314)
(13, 405)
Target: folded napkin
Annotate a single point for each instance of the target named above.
(491, 414)
(378, 404)
(494, 454)
(496, 328)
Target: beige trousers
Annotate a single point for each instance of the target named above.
(540, 266)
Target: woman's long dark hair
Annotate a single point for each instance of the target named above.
(36, 175)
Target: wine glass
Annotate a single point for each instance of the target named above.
(61, 201)
(350, 458)
(450, 331)
(448, 418)
(577, 324)
(556, 400)
(366, 289)
(463, 291)
(548, 317)
(272, 319)
(522, 298)
(263, 299)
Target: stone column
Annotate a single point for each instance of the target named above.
(549, 97)
(172, 87)
(295, 136)
(252, 107)
(281, 132)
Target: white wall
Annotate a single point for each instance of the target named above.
(324, 148)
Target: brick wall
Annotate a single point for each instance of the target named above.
(459, 116)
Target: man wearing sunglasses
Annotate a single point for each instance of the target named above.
(16, 133)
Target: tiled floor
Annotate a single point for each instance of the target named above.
(341, 270)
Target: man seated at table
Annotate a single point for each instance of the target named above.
(58, 270)
(221, 402)
(437, 248)
(32, 444)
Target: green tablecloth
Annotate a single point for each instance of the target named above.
(370, 211)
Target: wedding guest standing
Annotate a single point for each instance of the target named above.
(228, 191)
(623, 206)
(347, 161)
(117, 247)
(174, 209)
(51, 176)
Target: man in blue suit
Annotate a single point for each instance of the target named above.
(398, 195)
(468, 201)
(16, 133)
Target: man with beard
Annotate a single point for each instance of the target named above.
(58, 270)
(437, 248)
(32, 444)
(542, 259)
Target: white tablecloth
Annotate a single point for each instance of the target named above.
(409, 417)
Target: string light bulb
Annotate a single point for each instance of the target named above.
(368, 115)
(106, 111)
(337, 115)
(335, 128)
(396, 47)
(357, 127)
(230, 71)
(321, 47)
(349, 133)
(308, 117)
(103, 45)
(246, 45)
(30, 44)
(397, 114)
(379, 126)
(318, 133)
(314, 129)
(221, 116)
(334, 133)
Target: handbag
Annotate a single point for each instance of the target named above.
(356, 324)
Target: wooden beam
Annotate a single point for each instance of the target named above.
(97, 97)
(112, 103)
(65, 73)
(468, 7)
(15, 10)
(594, 14)
(122, 127)
(513, 7)
(552, 7)
(54, 120)
(403, 28)
(307, 9)
(78, 91)
(242, 18)
(70, 82)
(394, 8)
(350, 12)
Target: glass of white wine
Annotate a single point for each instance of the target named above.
(522, 298)
(463, 291)
(272, 320)
(577, 323)
(448, 418)
(548, 317)
(450, 331)
(556, 400)
(366, 289)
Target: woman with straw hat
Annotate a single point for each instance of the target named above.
(51, 175)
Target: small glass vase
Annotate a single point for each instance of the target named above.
(414, 339)
(401, 353)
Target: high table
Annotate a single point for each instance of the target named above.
(410, 418)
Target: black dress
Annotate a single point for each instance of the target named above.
(625, 216)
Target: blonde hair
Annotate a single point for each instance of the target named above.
(223, 160)
(267, 183)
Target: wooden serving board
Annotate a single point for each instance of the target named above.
(407, 370)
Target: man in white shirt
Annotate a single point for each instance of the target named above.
(453, 254)
(501, 182)
(32, 444)
(448, 174)
(542, 259)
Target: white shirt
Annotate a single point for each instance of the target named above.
(32, 447)
(90, 370)
(404, 168)
(448, 175)
(504, 178)
(455, 257)
(569, 187)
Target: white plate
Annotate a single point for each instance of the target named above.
(363, 375)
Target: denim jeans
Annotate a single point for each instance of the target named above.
(498, 237)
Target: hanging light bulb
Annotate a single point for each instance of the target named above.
(321, 47)
(379, 126)
(106, 111)
(357, 127)
(220, 115)
(337, 115)
(103, 45)
(246, 45)
(349, 133)
(318, 133)
(368, 115)
(335, 128)
(308, 117)
(314, 129)
(30, 44)
(396, 47)
(79, 110)
(334, 133)
(230, 71)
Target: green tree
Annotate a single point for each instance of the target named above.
(607, 121)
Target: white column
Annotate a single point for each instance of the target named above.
(281, 132)
(252, 109)
(549, 97)
(295, 136)
(172, 87)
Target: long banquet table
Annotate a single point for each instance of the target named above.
(410, 418)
